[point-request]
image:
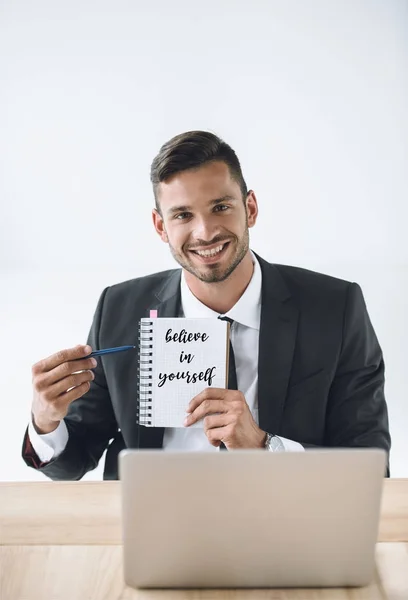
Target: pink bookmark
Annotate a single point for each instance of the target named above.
(153, 314)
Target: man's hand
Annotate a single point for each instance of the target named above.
(227, 419)
(57, 381)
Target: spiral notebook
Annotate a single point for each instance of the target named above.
(178, 358)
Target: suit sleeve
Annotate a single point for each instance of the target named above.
(90, 421)
(357, 412)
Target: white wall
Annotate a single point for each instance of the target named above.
(312, 96)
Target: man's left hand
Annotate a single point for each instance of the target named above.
(227, 419)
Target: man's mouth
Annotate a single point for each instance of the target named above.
(212, 254)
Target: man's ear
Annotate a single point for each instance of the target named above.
(251, 208)
(159, 225)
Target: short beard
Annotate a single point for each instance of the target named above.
(215, 275)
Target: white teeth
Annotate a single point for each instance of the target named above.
(212, 252)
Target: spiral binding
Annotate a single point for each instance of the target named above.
(145, 376)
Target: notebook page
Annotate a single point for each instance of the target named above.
(177, 362)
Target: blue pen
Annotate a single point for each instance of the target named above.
(109, 351)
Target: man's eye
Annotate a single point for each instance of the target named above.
(182, 216)
(222, 207)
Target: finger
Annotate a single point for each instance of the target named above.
(68, 368)
(63, 356)
(45, 380)
(207, 407)
(67, 383)
(216, 421)
(75, 393)
(208, 394)
(217, 435)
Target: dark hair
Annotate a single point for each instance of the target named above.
(191, 150)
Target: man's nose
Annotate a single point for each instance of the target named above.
(204, 230)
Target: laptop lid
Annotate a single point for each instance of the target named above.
(250, 518)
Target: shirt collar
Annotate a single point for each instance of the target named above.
(247, 311)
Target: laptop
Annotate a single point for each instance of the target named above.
(250, 518)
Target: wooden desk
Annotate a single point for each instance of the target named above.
(62, 541)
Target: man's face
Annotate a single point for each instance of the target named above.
(205, 221)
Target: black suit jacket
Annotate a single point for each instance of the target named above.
(320, 373)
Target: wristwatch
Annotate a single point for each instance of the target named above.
(273, 443)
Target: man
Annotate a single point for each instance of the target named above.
(309, 367)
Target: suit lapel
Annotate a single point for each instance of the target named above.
(277, 338)
(168, 298)
(168, 304)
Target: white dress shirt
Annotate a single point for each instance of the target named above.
(246, 314)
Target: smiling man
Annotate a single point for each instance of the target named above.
(308, 372)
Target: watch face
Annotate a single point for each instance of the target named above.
(275, 444)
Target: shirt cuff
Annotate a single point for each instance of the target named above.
(290, 445)
(48, 445)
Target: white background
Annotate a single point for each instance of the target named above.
(312, 96)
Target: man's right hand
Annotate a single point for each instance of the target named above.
(57, 383)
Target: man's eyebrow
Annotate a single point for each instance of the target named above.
(226, 198)
(175, 209)
(185, 208)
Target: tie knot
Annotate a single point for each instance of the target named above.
(230, 321)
